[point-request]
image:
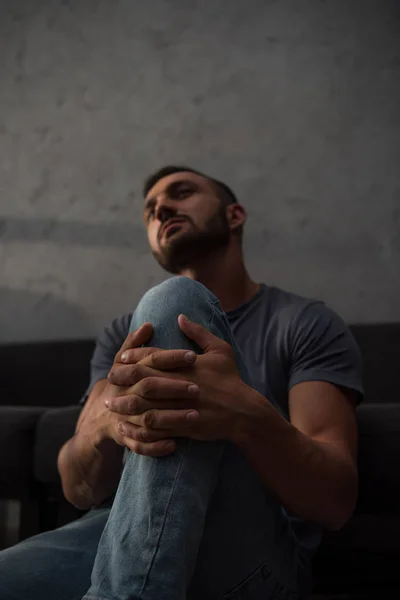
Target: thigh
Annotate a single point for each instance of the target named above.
(53, 565)
(248, 550)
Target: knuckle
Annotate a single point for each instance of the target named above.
(133, 371)
(147, 386)
(143, 435)
(149, 419)
(133, 405)
(153, 356)
(136, 447)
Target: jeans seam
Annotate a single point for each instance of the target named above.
(164, 519)
(213, 311)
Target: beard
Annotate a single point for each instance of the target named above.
(183, 250)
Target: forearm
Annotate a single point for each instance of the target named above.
(310, 478)
(90, 469)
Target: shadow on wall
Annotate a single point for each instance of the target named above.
(30, 316)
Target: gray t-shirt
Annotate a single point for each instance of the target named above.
(284, 339)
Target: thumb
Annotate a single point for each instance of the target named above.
(136, 338)
(199, 334)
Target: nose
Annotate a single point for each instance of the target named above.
(164, 211)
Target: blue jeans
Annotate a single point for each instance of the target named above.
(198, 524)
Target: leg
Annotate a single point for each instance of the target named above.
(166, 516)
(53, 565)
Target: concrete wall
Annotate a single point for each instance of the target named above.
(295, 104)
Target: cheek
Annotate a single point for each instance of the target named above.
(152, 236)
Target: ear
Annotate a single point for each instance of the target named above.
(236, 216)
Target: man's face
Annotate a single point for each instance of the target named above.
(185, 220)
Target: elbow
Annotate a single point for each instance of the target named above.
(337, 521)
(78, 501)
(76, 494)
(344, 505)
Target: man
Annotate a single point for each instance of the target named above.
(218, 438)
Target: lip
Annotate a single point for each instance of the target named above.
(171, 223)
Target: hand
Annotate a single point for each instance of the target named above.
(160, 406)
(124, 373)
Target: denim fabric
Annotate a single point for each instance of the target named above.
(55, 565)
(198, 524)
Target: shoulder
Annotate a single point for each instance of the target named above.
(317, 343)
(110, 340)
(108, 343)
(115, 332)
(309, 325)
(294, 311)
(289, 310)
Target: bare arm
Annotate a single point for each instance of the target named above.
(313, 469)
(90, 462)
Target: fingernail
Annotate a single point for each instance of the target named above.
(193, 389)
(190, 357)
(121, 428)
(170, 446)
(107, 403)
(191, 416)
(124, 357)
(184, 317)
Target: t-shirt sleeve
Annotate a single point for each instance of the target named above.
(322, 348)
(108, 343)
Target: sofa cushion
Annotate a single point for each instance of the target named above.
(379, 452)
(17, 433)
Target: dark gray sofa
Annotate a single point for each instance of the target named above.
(41, 385)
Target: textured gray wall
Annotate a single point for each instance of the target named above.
(295, 104)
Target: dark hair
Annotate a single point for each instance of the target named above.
(224, 192)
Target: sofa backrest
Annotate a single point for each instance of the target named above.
(380, 347)
(56, 373)
(44, 373)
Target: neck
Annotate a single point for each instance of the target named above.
(225, 275)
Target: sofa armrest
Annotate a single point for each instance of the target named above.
(17, 435)
(54, 428)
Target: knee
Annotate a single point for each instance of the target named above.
(178, 291)
(182, 286)
(172, 297)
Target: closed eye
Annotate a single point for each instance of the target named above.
(149, 214)
(183, 192)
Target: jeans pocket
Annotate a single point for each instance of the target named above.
(261, 584)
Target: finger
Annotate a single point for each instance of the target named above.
(154, 449)
(141, 434)
(167, 360)
(163, 388)
(136, 338)
(135, 404)
(158, 445)
(127, 375)
(201, 336)
(168, 419)
(135, 355)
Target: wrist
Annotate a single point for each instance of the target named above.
(97, 434)
(256, 418)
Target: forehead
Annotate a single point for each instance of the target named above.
(162, 184)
